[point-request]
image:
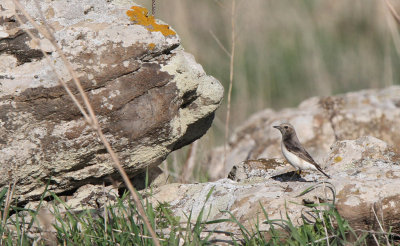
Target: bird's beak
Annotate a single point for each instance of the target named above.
(277, 127)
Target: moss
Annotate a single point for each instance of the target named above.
(140, 16)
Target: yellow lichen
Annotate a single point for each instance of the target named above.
(151, 46)
(338, 159)
(140, 16)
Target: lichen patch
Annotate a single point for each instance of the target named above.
(140, 16)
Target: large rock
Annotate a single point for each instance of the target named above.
(319, 122)
(151, 97)
(364, 175)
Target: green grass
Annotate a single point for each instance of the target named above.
(120, 224)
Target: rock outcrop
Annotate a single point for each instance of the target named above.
(150, 96)
(364, 175)
(319, 122)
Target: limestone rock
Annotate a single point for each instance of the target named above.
(363, 178)
(262, 168)
(150, 96)
(319, 122)
(93, 197)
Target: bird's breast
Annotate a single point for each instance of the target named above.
(294, 160)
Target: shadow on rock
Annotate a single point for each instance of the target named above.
(289, 177)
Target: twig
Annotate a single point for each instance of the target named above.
(92, 120)
(232, 56)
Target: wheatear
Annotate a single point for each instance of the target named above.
(294, 152)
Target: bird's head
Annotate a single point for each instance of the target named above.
(286, 129)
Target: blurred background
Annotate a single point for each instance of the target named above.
(285, 52)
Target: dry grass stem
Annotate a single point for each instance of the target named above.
(153, 7)
(321, 216)
(142, 236)
(322, 239)
(92, 119)
(394, 31)
(10, 194)
(232, 56)
(190, 162)
(378, 232)
(47, 34)
(220, 44)
(176, 176)
(380, 225)
(393, 11)
(375, 239)
(61, 80)
(164, 167)
(175, 165)
(219, 4)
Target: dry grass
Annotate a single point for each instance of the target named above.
(231, 72)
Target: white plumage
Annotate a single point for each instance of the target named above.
(296, 161)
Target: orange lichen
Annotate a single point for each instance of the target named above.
(338, 159)
(151, 46)
(140, 16)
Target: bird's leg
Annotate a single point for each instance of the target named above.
(294, 173)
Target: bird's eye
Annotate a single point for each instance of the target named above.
(286, 127)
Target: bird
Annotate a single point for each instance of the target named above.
(294, 152)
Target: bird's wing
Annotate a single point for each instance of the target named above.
(297, 149)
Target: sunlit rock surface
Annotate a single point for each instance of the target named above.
(319, 123)
(364, 175)
(150, 96)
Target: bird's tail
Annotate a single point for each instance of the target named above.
(320, 169)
